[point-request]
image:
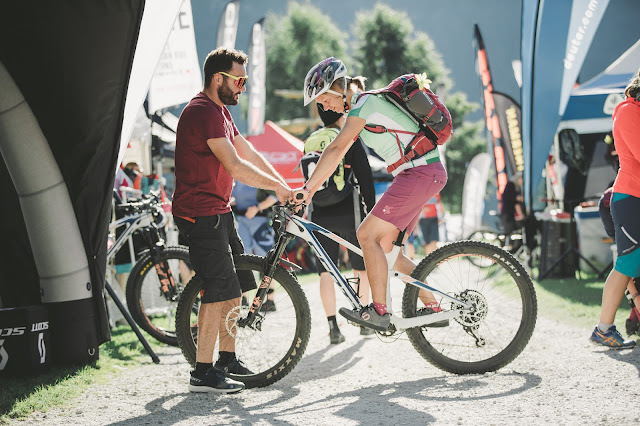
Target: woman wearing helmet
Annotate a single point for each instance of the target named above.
(415, 182)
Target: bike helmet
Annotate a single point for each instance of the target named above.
(321, 76)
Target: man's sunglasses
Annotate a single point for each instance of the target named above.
(240, 81)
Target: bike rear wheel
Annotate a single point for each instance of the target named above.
(502, 294)
(152, 308)
(270, 350)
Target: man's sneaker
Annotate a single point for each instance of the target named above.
(368, 316)
(213, 381)
(611, 339)
(268, 306)
(432, 308)
(234, 367)
(365, 331)
(335, 336)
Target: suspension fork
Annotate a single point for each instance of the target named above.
(156, 247)
(272, 259)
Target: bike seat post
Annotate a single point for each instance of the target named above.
(391, 257)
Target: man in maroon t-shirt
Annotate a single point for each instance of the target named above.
(210, 154)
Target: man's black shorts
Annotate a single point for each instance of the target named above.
(212, 242)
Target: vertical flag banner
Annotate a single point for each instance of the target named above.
(510, 121)
(491, 115)
(177, 78)
(475, 187)
(257, 73)
(228, 26)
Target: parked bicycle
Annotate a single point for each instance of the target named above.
(488, 313)
(495, 235)
(161, 272)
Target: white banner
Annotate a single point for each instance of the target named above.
(177, 78)
(228, 25)
(154, 30)
(475, 187)
(257, 73)
(585, 19)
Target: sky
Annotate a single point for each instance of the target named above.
(450, 24)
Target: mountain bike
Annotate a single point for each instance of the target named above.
(496, 236)
(161, 272)
(490, 312)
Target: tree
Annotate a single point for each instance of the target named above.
(386, 47)
(294, 44)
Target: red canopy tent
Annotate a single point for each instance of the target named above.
(282, 150)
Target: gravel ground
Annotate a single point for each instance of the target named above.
(559, 379)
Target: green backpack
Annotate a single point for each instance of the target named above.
(339, 186)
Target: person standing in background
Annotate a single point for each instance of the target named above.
(625, 203)
(432, 214)
(342, 217)
(250, 207)
(511, 207)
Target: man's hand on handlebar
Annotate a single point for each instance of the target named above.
(300, 196)
(283, 193)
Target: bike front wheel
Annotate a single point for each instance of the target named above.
(504, 310)
(152, 296)
(271, 347)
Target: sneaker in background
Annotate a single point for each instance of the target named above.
(365, 331)
(611, 339)
(213, 381)
(268, 306)
(335, 336)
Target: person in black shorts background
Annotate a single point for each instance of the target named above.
(341, 219)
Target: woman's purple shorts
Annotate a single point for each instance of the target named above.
(402, 202)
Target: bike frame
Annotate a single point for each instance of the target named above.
(304, 229)
(144, 221)
(133, 223)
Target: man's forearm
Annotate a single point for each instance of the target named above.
(261, 163)
(253, 175)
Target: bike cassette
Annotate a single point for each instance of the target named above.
(472, 317)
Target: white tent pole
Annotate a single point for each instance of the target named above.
(49, 217)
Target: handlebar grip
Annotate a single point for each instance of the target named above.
(299, 196)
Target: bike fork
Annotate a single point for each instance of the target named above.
(167, 282)
(271, 263)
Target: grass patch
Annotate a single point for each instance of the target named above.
(576, 302)
(21, 396)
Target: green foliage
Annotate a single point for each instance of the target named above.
(294, 44)
(386, 48)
